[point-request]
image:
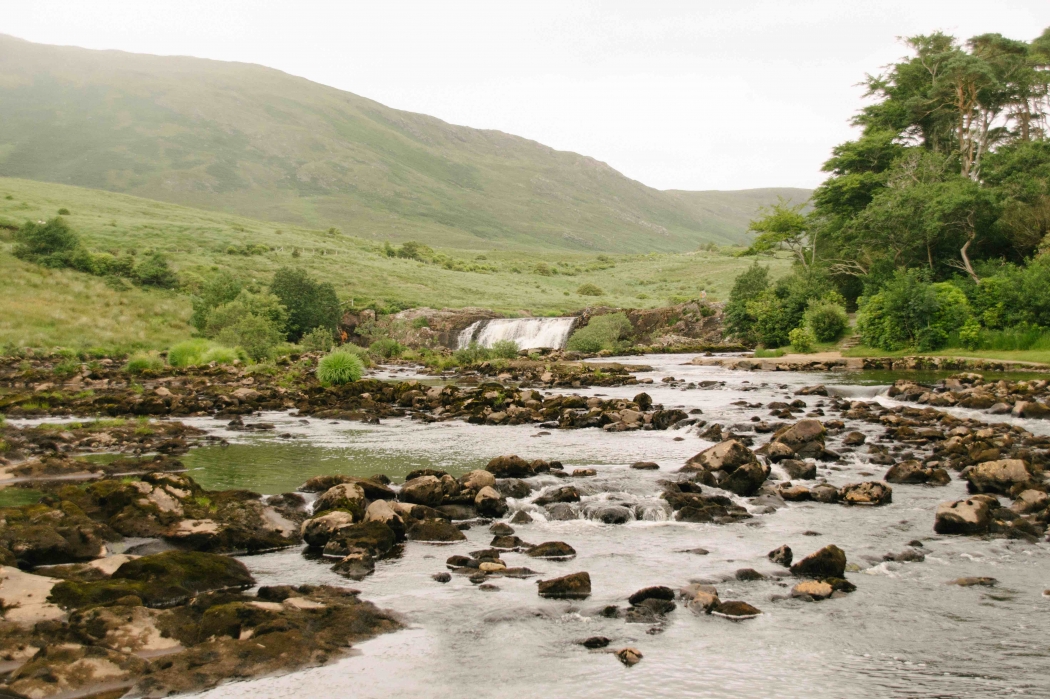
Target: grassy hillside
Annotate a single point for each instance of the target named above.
(252, 141)
(40, 307)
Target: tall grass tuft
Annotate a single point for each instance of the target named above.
(144, 361)
(187, 353)
(1009, 340)
(339, 367)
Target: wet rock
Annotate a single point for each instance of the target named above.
(612, 514)
(1030, 409)
(345, 496)
(373, 489)
(970, 516)
(824, 493)
(551, 549)
(729, 465)
(975, 582)
(572, 586)
(476, 480)
(812, 589)
(434, 530)
(868, 493)
(562, 511)
(643, 401)
(646, 466)
(489, 503)
(1029, 501)
(441, 577)
(1003, 476)
(510, 467)
(513, 488)
(456, 513)
(828, 562)
(781, 556)
(501, 529)
(521, 517)
(805, 437)
(564, 494)
(794, 493)
(748, 575)
(316, 531)
(74, 670)
(507, 542)
(736, 610)
(374, 537)
(382, 511)
(696, 551)
(854, 439)
(356, 565)
(595, 642)
(629, 656)
(424, 490)
(659, 592)
(915, 472)
(777, 452)
(906, 556)
(649, 611)
(799, 470)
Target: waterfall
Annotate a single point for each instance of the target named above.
(528, 333)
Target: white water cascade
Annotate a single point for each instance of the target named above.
(528, 333)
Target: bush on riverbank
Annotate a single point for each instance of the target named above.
(504, 349)
(202, 352)
(144, 361)
(606, 332)
(339, 367)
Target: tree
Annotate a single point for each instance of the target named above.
(219, 289)
(748, 285)
(310, 304)
(783, 226)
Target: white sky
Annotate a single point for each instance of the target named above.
(679, 95)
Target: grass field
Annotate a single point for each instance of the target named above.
(45, 308)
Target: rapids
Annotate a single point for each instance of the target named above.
(527, 333)
(903, 633)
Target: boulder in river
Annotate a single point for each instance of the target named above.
(572, 586)
(382, 511)
(629, 656)
(434, 531)
(805, 438)
(813, 589)
(828, 562)
(356, 565)
(645, 466)
(970, 516)
(798, 469)
(729, 465)
(915, 472)
(316, 531)
(566, 493)
(345, 496)
(1005, 476)
(781, 556)
(777, 452)
(867, 493)
(551, 549)
(736, 610)
(424, 490)
(476, 480)
(1029, 501)
(510, 467)
(656, 592)
(375, 537)
(489, 503)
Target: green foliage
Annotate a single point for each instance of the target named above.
(144, 361)
(386, 347)
(781, 308)
(311, 304)
(339, 367)
(504, 349)
(361, 352)
(750, 284)
(318, 339)
(263, 305)
(604, 332)
(51, 244)
(223, 355)
(589, 290)
(826, 319)
(257, 335)
(802, 340)
(219, 289)
(63, 212)
(911, 312)
(421, 322)
(970, 334)
(187, 353)
(155, 271)
(782, 226)
(472, 354)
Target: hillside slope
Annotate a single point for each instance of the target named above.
(257, 142)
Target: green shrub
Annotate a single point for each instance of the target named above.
(144, 361)
(504, 349)
(472, 354)
(910, 312)
(590, 290)
(257, 335)
(802, 340)
(67, 368)
(318, 339)
(605, 332)
(339, 367)
(263, 305)
(386, 347)
(970, 334)
(827, 320)
(223, 355)
(748, 285)
(188, 353)
(361, 352)
(311, 304)
(421, 322)
(154, 271)
(220, 289)
(63, 212)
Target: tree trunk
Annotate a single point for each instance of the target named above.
(966, 259)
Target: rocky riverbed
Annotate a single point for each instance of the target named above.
(817, 525)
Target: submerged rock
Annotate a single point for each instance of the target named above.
(916, 472)
(736, 610)
(551, 549)
(434, 531)
(572, 586)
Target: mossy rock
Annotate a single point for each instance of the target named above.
(375, 537)
(162, 580)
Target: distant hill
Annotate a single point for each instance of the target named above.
(254, 141)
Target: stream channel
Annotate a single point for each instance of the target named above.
(905, 632)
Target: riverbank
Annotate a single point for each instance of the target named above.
(837, 361)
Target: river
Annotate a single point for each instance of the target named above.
(904, 632)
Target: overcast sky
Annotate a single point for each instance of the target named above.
(679, 95)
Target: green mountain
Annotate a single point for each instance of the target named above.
(253, 141)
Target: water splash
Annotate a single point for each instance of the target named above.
(528, 333)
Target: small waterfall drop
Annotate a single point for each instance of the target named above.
(528, 333)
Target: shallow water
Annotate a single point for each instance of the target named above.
(903, 633)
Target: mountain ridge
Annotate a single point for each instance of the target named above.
(256, 141)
